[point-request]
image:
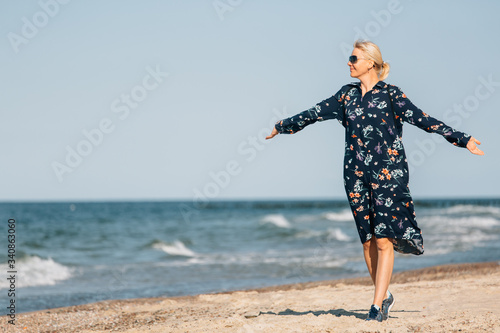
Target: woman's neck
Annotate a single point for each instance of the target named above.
(368, 82)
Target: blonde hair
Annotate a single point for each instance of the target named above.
(372, 52)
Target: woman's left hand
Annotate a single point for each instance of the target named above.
(473, 148)
(273, 134)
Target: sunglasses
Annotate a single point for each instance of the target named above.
(354, 59)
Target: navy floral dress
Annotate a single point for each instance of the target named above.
(375, 164)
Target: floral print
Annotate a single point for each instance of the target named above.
(375, 164)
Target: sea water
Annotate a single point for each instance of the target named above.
(76, 253)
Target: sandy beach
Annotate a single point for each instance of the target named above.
(450, 298)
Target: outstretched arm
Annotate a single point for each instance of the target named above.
(330, 108)
(408, 112)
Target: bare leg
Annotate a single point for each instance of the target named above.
(384, 266)
(371, 258)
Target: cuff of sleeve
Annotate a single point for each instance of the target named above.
(279, 126)
(464, 140)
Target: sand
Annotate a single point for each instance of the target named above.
(451, 298)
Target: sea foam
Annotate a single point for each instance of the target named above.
(177, 248)
(344, 215)
(277, 220)
(35, 271)
(338, 234)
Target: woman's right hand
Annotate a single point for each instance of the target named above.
(273, 134)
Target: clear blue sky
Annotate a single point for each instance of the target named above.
(172, 99)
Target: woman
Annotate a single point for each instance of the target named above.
(375, 165)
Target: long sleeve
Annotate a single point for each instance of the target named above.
(405, 110)
(331, 108)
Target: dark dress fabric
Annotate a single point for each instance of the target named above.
(375, 164)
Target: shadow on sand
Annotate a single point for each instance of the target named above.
(360, 314)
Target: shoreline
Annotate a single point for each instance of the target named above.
(269, 309)
(431, 273)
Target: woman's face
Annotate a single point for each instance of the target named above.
(361, 66)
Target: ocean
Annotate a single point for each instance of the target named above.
(76, 253)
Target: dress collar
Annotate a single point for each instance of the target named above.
(379, 84)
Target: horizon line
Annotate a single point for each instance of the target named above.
(221, 200)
